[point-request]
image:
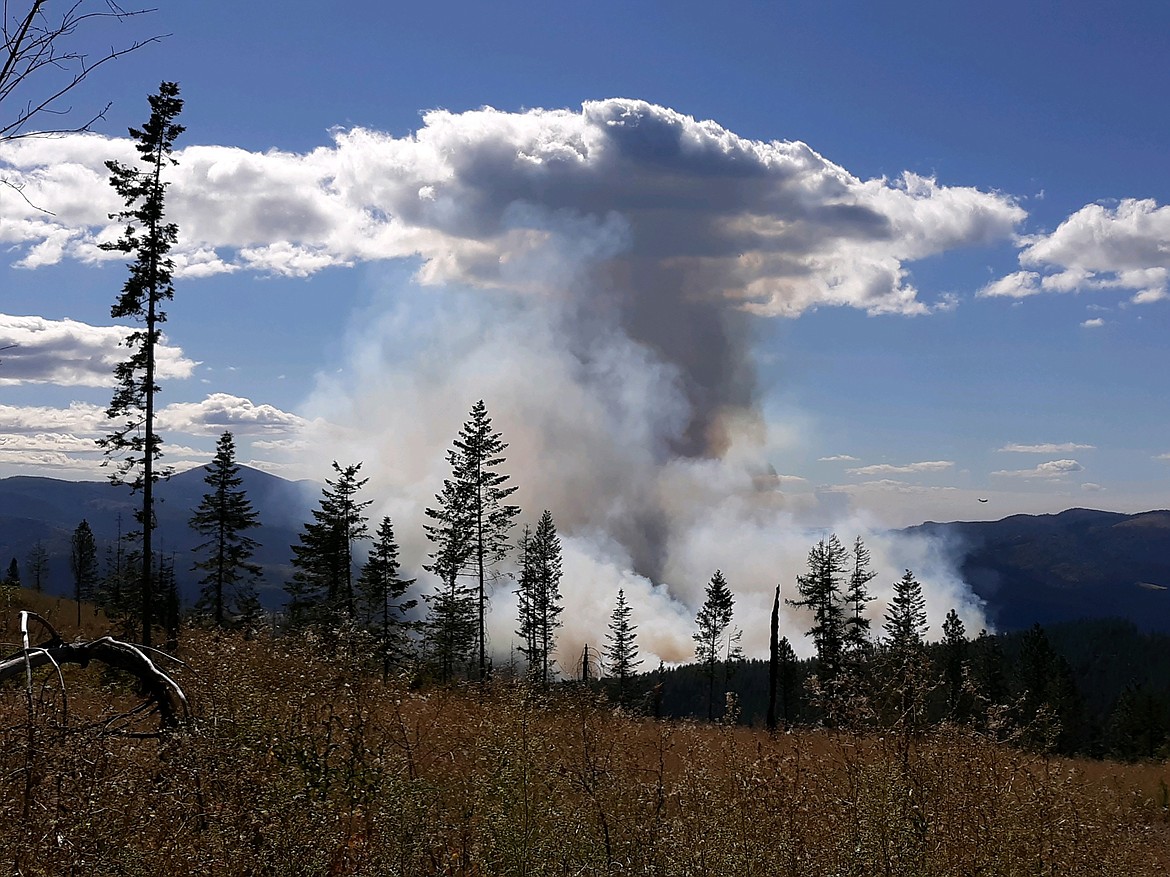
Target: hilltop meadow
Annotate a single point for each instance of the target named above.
(297, 759)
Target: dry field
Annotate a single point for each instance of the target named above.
(296, 763)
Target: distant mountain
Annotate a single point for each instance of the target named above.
(1076, 564)
(48, 509)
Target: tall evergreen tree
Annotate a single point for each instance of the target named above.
(857, 597)
(621, 650)
(382, 593)
(955, 666)
(473, 499)
(907, 673)
(83, 564)
(223, 518)
(37, 566)
(149, 238)
(773, 661)
(451, 610)
(545, 560)
(905, 622)
(12, 577)
(321, 589)
(820, 591)
(539, 596)
(713, 621)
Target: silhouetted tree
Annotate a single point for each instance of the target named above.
(149, 238)
(321, 588)
(621, 651)
(223, 517)
(820, 591)
(713, 620)
(857, 597)
(541, 586)
(955, 666)
(37, 566)
(382, 593)
(12, 577)
(473, 504)
(83, 564)
(905, 622)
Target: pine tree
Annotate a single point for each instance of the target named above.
(381, 592)
(545, 559)
(149, 238)
(820, 591)
(857, 597)
(451, 611)
(955, 665)
(321, 589)
(12, 578)
(905, 622)
(621, 651)
(37, 566)
(539, 596)
(713, 620)
(83, 565)
(472, 501)
(906, 671)
(222, 518)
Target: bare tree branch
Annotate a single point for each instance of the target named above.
(161, 691)
(43, 60)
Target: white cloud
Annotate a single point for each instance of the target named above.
(907, 469)
(1053, 469)
(483, 196)
(1165, 456)
(1095, 323)
(70, 353)
(1046, 448)
(1125, 247)
(222, 411)
(79, 417)
(1091, 487)
(837, 458)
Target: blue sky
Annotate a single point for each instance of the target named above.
(957, 289)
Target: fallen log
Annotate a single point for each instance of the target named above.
(157, 687)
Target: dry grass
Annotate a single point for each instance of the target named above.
(298, 765)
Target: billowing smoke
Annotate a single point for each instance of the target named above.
(604, 280)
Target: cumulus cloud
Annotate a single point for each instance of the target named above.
(222, 411)
(1125, 247)
(1094, 323)
(1046, 448)
(907, 469)
(837, 458)
(773, 227)
(70, 353)
(1053, 469)
(78, 417)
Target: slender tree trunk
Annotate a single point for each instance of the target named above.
(774, 661)
(148, 469)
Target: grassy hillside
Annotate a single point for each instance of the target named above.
(300, 763)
